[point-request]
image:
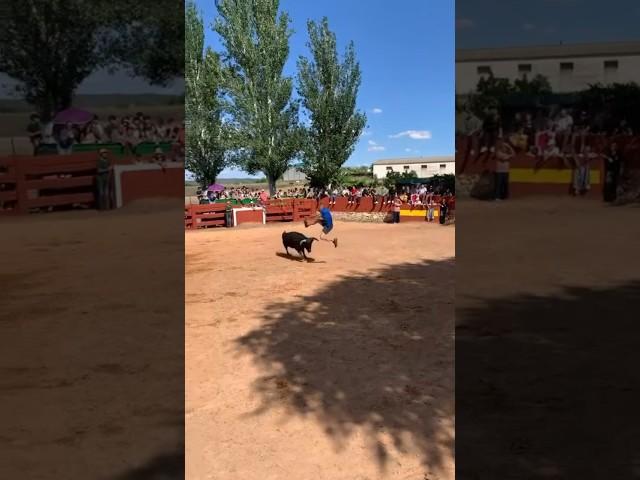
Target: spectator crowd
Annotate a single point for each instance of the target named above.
(574, 137)
(413, 195)
(128, 130)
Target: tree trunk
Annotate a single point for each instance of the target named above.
(272, 186)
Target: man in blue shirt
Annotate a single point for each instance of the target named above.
(325, 219)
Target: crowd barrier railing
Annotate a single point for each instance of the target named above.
(295, 210)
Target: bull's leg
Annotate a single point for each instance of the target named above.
(287, 250)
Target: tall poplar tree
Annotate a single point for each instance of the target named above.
(265, 117)
(329, 90)
(205, 132)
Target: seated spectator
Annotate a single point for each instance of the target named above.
(66, 139)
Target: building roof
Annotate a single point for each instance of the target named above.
(414, 160)
(537, 52)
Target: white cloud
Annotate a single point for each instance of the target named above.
(371, 142)
(377, 110)
(411, 150)
(463, 23)
(414, 134)
(376, 148)
(366, 133)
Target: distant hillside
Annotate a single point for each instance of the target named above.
(102, 102)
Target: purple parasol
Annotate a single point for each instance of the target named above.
(215, 187)
(74, 116)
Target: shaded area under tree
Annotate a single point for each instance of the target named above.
(370, 352)
(547, 386)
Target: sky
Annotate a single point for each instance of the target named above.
(500, 23)
(406, 55)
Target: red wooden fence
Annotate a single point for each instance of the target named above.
(295, 210)
(31, 182)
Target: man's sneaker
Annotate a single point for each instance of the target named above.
(335, 242)
(306, 225)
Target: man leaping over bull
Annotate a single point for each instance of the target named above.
(325, 219)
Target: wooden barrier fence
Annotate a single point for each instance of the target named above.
(45, 181)
(295, 210)
(204, 216)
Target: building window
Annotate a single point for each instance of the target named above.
(424, 167)
(389, 169)
(611, 65)
(484, 70)
(406, 167)
(443, 166)
(566, 67)
(524, 68)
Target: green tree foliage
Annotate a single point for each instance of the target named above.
(51, 46)
(265, 117)
(329, 89)
(619, 101)
(392, 178)
(442, 183)
(205, 132)
(150, 37)
(539, 85)
(492, 92)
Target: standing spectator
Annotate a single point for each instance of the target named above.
(581, 174)
(503, 157)
(490, 131)
(472, 127)
(612, 169)
(431, 205)
(444, 207)
(397, 203)
(103, 177)
(34, 130)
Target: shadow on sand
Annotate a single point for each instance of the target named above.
(169, 466)
(296, 258)
(547, 387)
(372, 353)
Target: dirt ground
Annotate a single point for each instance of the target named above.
(546, 302)
(337, 369)
(91, 333)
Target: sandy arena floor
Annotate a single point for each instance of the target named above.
(339, 369)
(91, 305)
(547, 293)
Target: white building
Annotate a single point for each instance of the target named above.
(293, 175)
(569, 68)
(424, 167)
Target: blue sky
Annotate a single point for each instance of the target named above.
(495, 23)
(406, 53)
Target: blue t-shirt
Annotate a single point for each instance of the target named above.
(325, 213)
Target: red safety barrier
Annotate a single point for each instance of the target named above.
(280, 210)
(296, 209)
(188, 217)
(204, 216)
(30, 182)
(304, 208)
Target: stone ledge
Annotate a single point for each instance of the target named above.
(366, 217)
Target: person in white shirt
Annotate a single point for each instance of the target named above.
(564, 125)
